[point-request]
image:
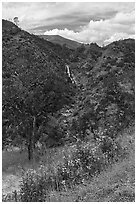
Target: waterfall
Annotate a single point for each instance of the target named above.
(68, 71)
(70, 75)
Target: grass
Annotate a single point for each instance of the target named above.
(115, 184)
(13, 162)
(13, 159)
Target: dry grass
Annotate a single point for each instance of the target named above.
(13, 163)
(116, 184)
(13, 159)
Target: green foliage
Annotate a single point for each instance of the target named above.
(33, 187)
(36, 185)
(87, 161)
(34, 85)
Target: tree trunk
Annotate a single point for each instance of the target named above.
(31, 141)
(30, 150)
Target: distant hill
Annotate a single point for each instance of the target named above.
(57, 39)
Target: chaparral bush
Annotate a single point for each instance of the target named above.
(36, 185)
(110, 148)
(85, 162)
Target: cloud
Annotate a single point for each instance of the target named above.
(125, 18)
(39, 13)
(81, 21)
(118, 36)
(101, 31)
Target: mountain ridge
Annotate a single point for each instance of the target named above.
(57, 39)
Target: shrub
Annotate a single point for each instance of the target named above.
(84, 162)
(70, 173)
(87, 161)
(91, 158)
(35, 185)
(110, 148)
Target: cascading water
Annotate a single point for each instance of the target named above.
(70, 75)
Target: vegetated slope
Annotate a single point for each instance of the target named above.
(106, 80)
(56, 39)
(28, 49)
(36, 84)
(105, 77)
(35, 81)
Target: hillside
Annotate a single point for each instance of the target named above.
(35, 80)
(106, 81)
(56, 39)
(68, 119)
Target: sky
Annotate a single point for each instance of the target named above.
(84, 22)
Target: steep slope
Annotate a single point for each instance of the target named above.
(29, 60)
(107, 95)
(35, 80)
(56, 39)
(27, 49)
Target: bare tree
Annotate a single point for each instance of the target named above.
(16, 20)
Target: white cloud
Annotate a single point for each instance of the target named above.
(102, 31)
(118, 36)
(36, 12)
(114, 19)
(125, 18)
